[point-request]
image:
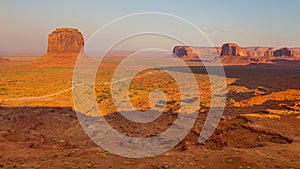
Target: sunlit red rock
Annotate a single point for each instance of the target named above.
(65, 40)
(64, 47)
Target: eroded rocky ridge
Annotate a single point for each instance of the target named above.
(231, 53)
(234, 54)
(288, 52)
(194, 52)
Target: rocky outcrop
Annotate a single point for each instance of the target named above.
(193, 52)
(283, 52)
(64, 47)
(260, 52)
(269, 53)
(3, 60)
(182, 51)
(231, 49)
(230, 53)
(293, 53)
(233, 54)
(65, 40)
(296, 53)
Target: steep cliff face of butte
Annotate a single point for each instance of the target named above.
(64, 46)
(233, 54)
(195, 52)
(65, 40)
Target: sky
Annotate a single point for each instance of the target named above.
(26, 24)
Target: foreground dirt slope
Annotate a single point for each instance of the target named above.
(48, 137)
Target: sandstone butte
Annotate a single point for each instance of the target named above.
(65, 40)
(231, 53)
(64, 46)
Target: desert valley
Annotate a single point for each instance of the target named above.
(260, 126)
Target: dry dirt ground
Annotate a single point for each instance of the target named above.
(260, 127)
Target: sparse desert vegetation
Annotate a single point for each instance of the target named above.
(259, 128)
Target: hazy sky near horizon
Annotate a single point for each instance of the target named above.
(26, 24)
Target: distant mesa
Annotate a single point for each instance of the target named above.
(193, 52)
(64, 46)
(234, 54)
(231, 53)
(287, 53)
(231, 49)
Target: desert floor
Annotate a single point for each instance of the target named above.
(260, 127)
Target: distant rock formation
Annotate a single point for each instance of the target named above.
(290, 53)
(233, 54)
(193, 52)
(296, 53)
(65, 40)
(231, 49)
(64, 46)
(283, 52)
(230, 53)
(269, 53)
(3, 60)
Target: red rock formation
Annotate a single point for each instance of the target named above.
(283, 52)
(233, 54)
(181, 51)
(269, 53)
(193, 52)
(65, 40)
(231, 49)
(296, 53)
(292, 53)
(255, 52)
(3, 60)
(64, 47)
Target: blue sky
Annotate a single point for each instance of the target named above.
(26, 24)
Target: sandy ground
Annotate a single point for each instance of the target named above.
(259, 129)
